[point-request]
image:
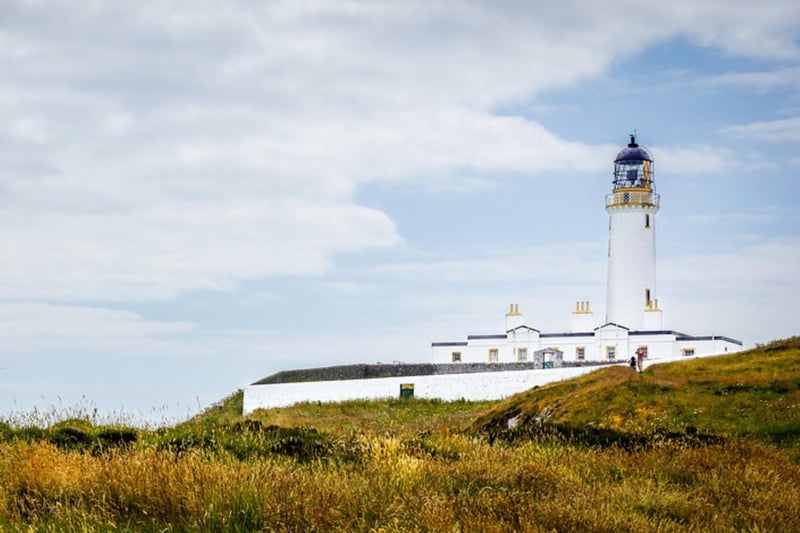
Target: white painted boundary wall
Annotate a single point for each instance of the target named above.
(448, 387)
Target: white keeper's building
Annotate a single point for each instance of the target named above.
(633, 316)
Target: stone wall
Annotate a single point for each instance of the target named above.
(469, 385)
(363, 371)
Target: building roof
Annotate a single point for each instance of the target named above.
(633, 153)
(528, 328)
(590, 334)
(611, 324)
(459, 343)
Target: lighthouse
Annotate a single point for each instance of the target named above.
(526, 355)
(633, 319)
(631, 298)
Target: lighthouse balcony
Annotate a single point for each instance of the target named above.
(632, 197)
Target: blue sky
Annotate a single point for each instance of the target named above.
(199, 194)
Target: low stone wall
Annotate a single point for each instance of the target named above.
(363, 371)
(448, 382)
(470, 385)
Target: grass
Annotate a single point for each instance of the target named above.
(393, 485)
(635, 457)
(750, 394)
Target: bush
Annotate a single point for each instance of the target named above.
(69, 437)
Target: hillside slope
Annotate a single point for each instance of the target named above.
(750, 394)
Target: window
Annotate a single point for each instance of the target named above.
(456, 357)
(647, 221)
(494, 355)
(611, 352)
(522, 354)
(688, 352)
(580, 353)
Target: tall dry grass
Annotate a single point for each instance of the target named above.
(394, 465)
(446, 482)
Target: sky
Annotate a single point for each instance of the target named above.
(195, 194)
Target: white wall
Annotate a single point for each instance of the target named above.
(631, 264)
(449, 387)
(659, 346)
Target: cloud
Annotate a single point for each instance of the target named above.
(777, 131)
(761, 215)
(150, 152)
(160, 251)
(761, 81)
(761, 263)
(745, 288)
(737, 28)
(701, 159)
(577, 263)
(30, 327)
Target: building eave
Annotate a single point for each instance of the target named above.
(455, 343)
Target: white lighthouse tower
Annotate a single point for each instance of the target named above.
(631, 299)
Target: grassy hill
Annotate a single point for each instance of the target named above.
(703, 458)
(752, 394)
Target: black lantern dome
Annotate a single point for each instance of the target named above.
(633, 168)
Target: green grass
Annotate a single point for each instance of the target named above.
(704, 445)
(753, 394)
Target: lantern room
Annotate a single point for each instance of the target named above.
(633, 168)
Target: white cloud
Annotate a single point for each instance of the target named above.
(161, 251)
(746, 288)
(759, 215)
(784, 130)
(577, 263)
(184, 146)
(27, 327)
(700, 159)
(761, 263)
(31, 129)
(761, 81)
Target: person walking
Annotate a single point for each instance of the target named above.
(640, 358)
